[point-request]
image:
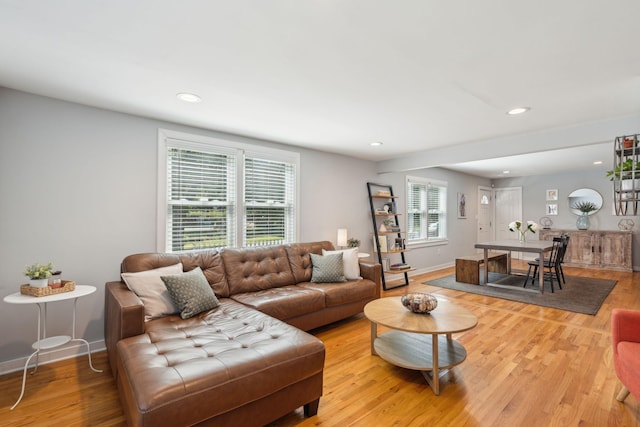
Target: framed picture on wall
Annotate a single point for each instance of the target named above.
(462, 205)
(552, 209)
(552, 194)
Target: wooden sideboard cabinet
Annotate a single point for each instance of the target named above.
(610, 250)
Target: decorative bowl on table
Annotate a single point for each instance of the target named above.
(419, 302)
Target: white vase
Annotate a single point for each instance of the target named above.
(630, 184)
(38, 283)
(627, 186)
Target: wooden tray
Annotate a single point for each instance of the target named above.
(67, 286)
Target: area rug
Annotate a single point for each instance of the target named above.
(579, 294)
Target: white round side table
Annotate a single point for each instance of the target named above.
(43, 342)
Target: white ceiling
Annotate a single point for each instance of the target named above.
(334, 75)
(542, 163)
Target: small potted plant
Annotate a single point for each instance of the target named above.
(628, 173)
(38, 274)
(352, 242)
(585, 207)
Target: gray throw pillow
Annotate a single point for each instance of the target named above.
(327, 268)
(190, 292)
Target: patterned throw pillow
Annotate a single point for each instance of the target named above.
(191, 293)
(350, 262)
(327, 268)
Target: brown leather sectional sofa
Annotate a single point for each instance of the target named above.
(246, 362)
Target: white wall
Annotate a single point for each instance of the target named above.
(78, 188)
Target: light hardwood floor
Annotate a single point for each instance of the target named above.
(526, 366)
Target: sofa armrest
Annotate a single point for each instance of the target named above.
(124, 317)
(373, 271)
(625, 326)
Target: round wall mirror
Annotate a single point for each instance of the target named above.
(582, 196)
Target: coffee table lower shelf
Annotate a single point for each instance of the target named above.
(416, 351)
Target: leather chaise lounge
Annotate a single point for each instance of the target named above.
(247, 361)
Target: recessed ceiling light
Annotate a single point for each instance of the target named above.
(518, 110)
(597, 162)
(189, 97)
(376, 144)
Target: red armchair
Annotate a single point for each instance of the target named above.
(625, 335)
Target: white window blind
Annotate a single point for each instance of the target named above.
(269, 192)
(216, 194)
(426, 210)
(201, 199)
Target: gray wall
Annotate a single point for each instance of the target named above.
(78, 188)
(461, 233)
(534, 201)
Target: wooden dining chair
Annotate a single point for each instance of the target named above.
(551, 268)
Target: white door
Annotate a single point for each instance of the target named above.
(485, 214)
(508, 208)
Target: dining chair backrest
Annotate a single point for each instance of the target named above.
(556, 251)
(565, 244)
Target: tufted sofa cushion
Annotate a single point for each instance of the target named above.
(252, 270)
(300, 258)
(182, 372)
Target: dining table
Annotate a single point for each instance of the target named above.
(539, 247)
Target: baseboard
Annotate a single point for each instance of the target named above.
(50, 356)
(432, 268)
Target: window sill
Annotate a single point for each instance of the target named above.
(427, 244)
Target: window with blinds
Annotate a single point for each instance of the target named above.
(268, 202)
(200, 199)
(426, 210)
(214, 195)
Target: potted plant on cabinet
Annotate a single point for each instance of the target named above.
(38, 274)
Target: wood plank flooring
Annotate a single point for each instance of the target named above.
(526, 366)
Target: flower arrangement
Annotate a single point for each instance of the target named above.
(38, 271)
(519, 226)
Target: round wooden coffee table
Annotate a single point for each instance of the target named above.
(408, 344)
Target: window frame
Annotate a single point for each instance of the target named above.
(424, 241)
(169, 139)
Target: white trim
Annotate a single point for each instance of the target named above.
(51, 356)
(428, 181)
(427, 243)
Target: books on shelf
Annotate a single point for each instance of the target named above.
(389, 243)
(384, 243)
(400, 266)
